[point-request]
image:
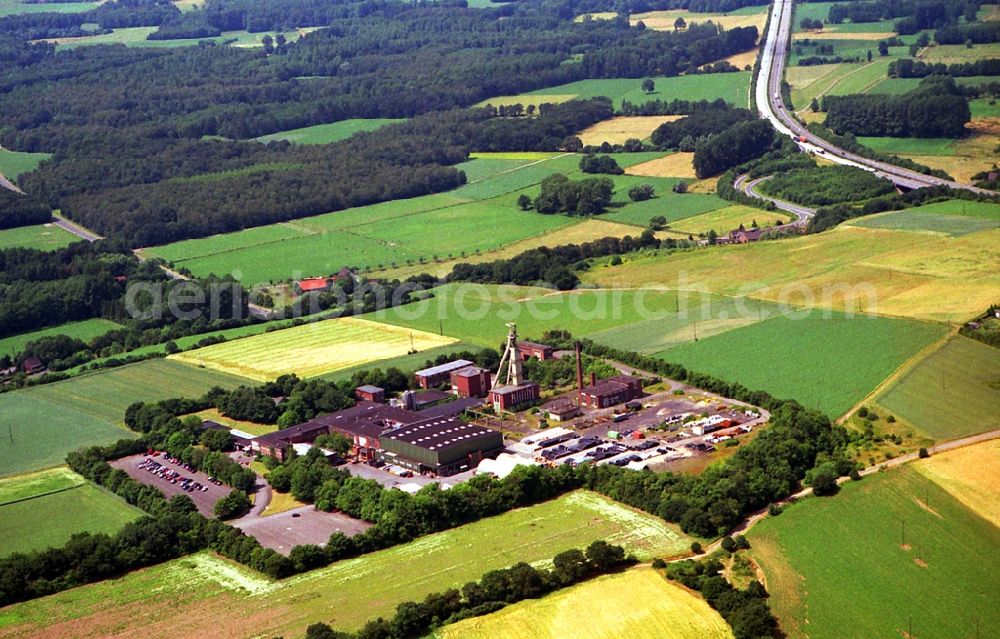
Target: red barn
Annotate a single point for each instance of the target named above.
(534, 349)
(611, 391)
(370, 393)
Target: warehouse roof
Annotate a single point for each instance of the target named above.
(443, 368)
(439, 433)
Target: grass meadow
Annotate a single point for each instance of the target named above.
(84, 330)
(477, 314)
(928, 220)
(14, 163)
(220, 599)
(18, 7)
(668, 611)
(43, 237)
(825, 556)
(311, 349)
(44, 509)
(897, 273)
(732, 87)
(951, 393)
(46, 422)
(827, 363)
(405, 234)
(327, 133)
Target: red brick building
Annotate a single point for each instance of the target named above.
(508, 398)
(437, 375)
(370, 393)
(534, 349)
(611, 391)
(471, 381)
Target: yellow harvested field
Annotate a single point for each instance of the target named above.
(312, 349)
(708, 185)
(664, 20)
(525, 100)
(600, 15)
(617, 130)
(845, 35)
(673, 165)
(584, 231)
(973, 154)
(742, 60)
(888, 272)
(637, 603)
(972, 476)
(726, 219)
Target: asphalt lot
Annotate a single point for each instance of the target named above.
(389, 480)
(204, 500)
(303, 525)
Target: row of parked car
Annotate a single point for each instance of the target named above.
(187, 484)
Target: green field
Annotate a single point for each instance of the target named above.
(107, 393)
(44, 237)
(827, 363)
(825, 558)
(984, 108)
(910, 146)
(327, 133)
(953, 225)
(14, 163)
(44, 431)
(44, 509)
(732, 87)
(954, 392)
(84, 330)
(408, 232)
(220, 599)
(665, 611)
(311, 349)
(137, 37)
(16, 7)
(50, 420)
(477, 313)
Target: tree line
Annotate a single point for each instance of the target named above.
(737, 144)
(932, 110)
(20, 210)
(825, 185)
(494, 591)
(746, 611)
(686, 133)
(909, 68)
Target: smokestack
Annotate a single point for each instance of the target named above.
(579, 366)
(593, 378)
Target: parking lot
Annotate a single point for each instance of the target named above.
(390, 480)
(169, 477)
(303, 525)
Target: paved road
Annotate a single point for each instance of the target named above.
(76, 230)
(7, 184)
(802, 213)
(770, 104)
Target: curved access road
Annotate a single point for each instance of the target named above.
(770, 104)
(749, 187)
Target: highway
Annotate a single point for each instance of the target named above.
(770, 104)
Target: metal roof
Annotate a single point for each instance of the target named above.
(444, 368)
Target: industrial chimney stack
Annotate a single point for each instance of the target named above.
(579, 366)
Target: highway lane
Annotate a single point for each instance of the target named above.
(770, 104)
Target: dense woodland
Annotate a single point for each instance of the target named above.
(935, 109)
(685, 134)
(131, 160)
(821, 186)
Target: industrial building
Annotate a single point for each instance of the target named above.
(441, 374)
(560, 410)
(471, 381)
(534, 349)
(509, 398)
(610, 392)
(370, 393)
(515, 391)
(444, 446)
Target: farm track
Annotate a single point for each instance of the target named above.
(10, 186)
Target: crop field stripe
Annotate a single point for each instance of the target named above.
(205, 590)
(942, 580)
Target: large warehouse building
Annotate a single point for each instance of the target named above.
(444, 446)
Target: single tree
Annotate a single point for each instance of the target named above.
(814, 105)
(268, 43)
(883, 48)
(869, 55)
(679, 24)
(524, 202)
(648, 85)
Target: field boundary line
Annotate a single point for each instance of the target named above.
(901, 370)
(45, 494)
(348, 229)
